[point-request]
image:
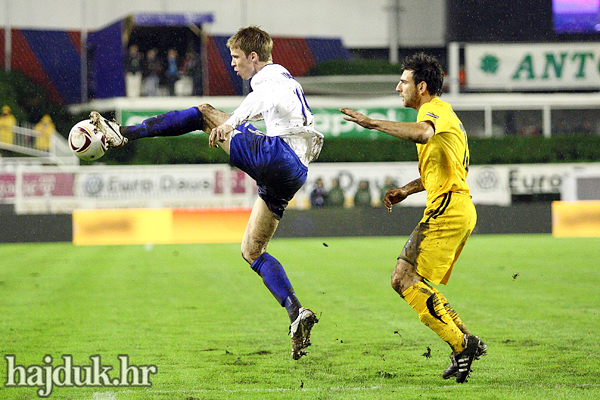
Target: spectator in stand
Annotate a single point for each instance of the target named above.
(172, 72)
(134, 63)
(151, 74)
(7, 123)
(362, 197)
(46, 129)
(335, 195)
(192, 68)
(318, 196)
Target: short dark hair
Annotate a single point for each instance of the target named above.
(252, 39)
(425, 68)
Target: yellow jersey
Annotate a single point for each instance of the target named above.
(444, 159)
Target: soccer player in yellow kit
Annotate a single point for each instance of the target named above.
(449, 218)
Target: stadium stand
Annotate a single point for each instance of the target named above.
(57, 67)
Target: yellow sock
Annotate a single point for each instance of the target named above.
(432, 313)
(453, 314)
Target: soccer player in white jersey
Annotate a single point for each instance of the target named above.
(277, 160)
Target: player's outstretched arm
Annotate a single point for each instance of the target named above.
(394, 196)
(416, 132)
(358, 118)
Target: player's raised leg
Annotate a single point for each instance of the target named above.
(173, 123)
(260, 229)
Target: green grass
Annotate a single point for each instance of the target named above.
(206, 321)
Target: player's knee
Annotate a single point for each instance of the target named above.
(250, 255)
(396, 282)
(205, 108)
(205, 111)
(404, 276)
(245, 257)
(249, 259)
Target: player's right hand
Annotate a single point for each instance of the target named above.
(357, 117)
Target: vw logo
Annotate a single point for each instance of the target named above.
(93, 185)
(487, 178)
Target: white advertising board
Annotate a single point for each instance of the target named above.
(488, 184)
(220, 185)
(553, 66)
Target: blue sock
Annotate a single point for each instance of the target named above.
(274, 277)
(173, 123)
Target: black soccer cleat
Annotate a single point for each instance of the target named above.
(452, 369)
(465, 358)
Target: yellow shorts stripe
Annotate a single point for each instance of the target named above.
(444, 204)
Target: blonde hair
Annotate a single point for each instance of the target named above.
(252, 39)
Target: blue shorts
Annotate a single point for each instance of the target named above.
(271, 162)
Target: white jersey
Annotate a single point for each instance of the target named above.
(279, 99)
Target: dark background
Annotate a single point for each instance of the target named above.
(505, 21)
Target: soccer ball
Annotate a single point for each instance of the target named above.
(86, 141)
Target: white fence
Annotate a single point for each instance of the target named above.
(36, 189)
(28, 142)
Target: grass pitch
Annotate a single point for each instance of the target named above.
(206, 321)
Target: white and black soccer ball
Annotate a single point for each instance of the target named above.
(86, 141)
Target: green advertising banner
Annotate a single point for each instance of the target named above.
(329, 121)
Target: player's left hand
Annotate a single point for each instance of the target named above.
(359, 118)
(219, 134)
(394, 196)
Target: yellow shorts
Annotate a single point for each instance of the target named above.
(436, 242)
